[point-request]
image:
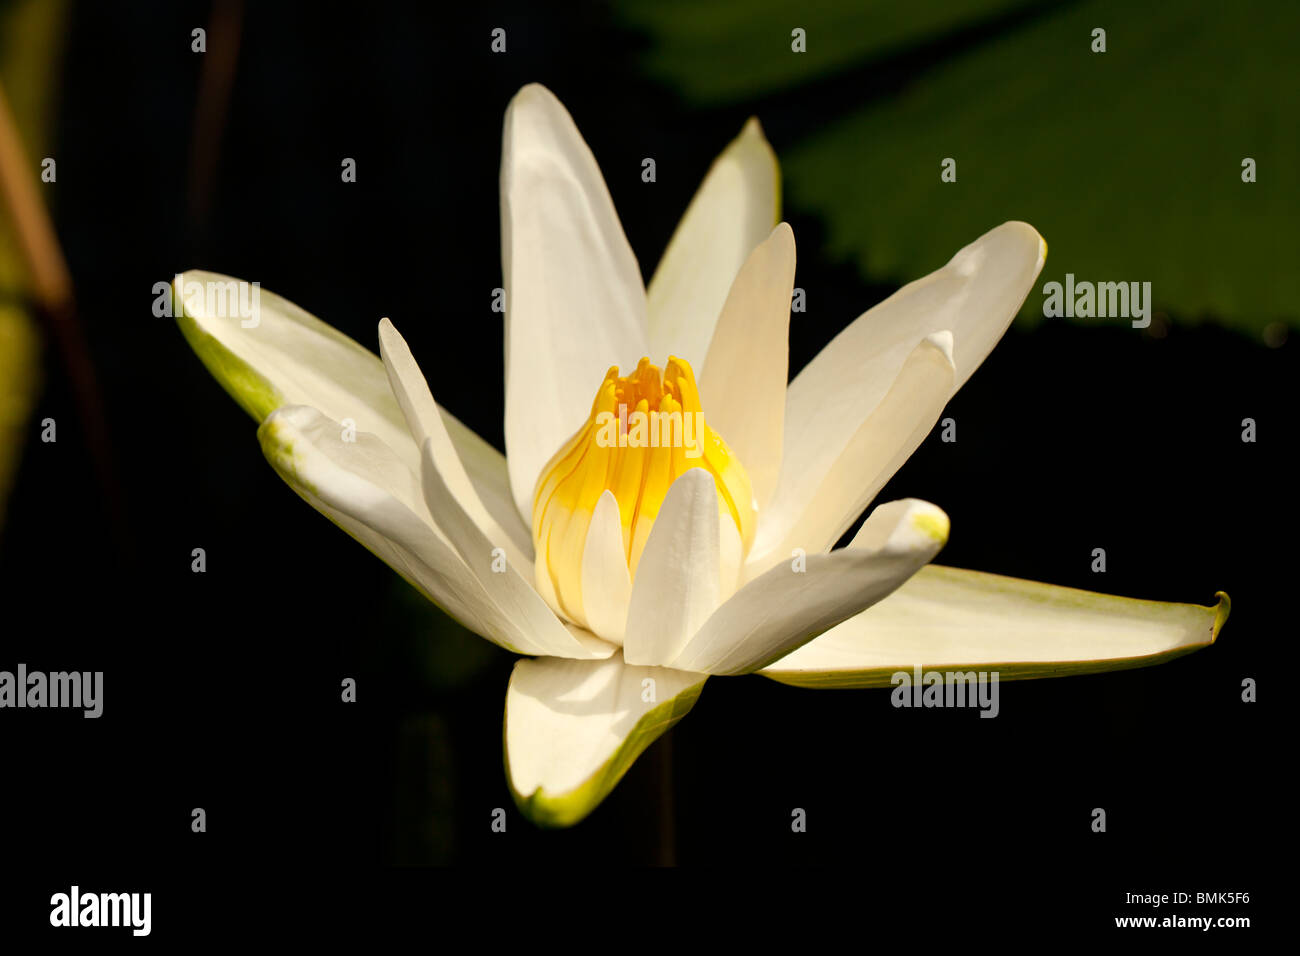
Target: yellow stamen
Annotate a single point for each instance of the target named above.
(645, 430)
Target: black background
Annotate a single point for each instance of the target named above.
(222, 689)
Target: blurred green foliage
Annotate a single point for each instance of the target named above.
(1129, 162)
(727, 51)
(30, 39)
(435, 653)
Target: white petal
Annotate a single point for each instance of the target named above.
(742, 385)
(731, 556)
(573, 728)
(522, 606)
(575, 304)
(812, 514)
(487, 471)
(606, 584)
(678, 579)
(290, 357)
(951, 619)
(425, 421)
(975, 296)
(786, 607)
(731, 213)
(363, 487)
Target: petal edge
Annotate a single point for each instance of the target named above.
(953, 619)
(556, 690)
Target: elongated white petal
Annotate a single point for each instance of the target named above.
(520, 603)
(283, 355)
(731, 556)
(795, 601)
(573, 728)
(678, 579)
(748, 362)
(575, 304)
(812, 516)
(606, 584)
(424, 419)
(975, 297)
(955, 620)
(364, 488)
(731, 213)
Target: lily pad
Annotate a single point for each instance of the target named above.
(1128, 161)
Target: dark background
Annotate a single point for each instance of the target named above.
(222, 689)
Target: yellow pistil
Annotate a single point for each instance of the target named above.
(644, 431)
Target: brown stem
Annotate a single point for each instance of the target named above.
(36, 239)
(55, 304)
(216, 79)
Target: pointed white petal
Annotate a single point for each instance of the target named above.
(521, 605)
(606, 584)
(811, 510)
(573, 728)
(742, 385)
(364, 488)
(975, 297)
(955, 620)
(487, 471)
(290, 357)
(786, 607)
(425, 421)
(731, 213)
(678, 580)
(575, 304)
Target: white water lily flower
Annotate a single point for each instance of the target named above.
(630, 572)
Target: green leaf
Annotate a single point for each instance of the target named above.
(1129, 162)
(722, 52)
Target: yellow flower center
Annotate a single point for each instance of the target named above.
(644, 431)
